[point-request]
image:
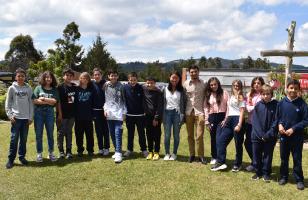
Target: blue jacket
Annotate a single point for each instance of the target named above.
(264, 121)
(84, 103)
(134, 99)
(293, 114)
(98, 95)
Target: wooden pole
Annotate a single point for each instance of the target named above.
(286, 53)
(290, 46)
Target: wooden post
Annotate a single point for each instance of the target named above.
(290, 46)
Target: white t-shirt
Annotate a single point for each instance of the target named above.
(234, 106)
(173, 100)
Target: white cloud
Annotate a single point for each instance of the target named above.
(164, 29)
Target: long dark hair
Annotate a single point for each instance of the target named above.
(43, 76)
(208, 91)
(178, 86)
(252, 90)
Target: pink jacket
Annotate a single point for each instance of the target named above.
(214, 107)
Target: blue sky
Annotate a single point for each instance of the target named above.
(162, 30)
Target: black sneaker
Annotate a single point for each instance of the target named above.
(250, 168)
(191, 159)
(300, 186)
(90, 153)
(218, 166)
(9, 165)
(255, 177)
(80, 154)
(23, 161)
(266, 178)
(282, 181)
(236, 168)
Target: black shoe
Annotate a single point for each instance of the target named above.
(23, 161)
(202, 160)
(9, 165)
(250, 168)
(90, 153)
(255, 177)
(282, 181)
(300, 186)
(191, 159)
(266, 178)
(236, 168)
(80, 154)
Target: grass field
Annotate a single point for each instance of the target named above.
(136, 178)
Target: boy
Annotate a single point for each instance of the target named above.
(65, 111)
(153, 107)
(115, 110)
(100, 122)
(19, 109)
(264, 134)
(292, 119)
(133, 94)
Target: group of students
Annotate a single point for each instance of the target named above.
(198, 104)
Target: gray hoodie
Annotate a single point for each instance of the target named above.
(18, 102)
(115, 102)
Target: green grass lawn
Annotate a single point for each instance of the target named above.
(136, 178)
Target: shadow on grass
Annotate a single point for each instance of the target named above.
(61, 162)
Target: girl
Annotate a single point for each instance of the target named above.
(174, 109)
(83, 114)
(45, 97)
(232, 127)
(215, 107)
(253, 97)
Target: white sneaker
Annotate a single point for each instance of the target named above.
(128, 153)
(172, 157)
(52, 157)
(39, 157)
(101, 152)
(118, 158)
(113, 156)
(106, 152)
(167, 157)
(145, 153)
(213, 161)
(69, 156)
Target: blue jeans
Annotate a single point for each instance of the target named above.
(172, 119)
(19, 130)
(116, 130)
(44, 116)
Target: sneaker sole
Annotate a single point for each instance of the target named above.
(222, 167)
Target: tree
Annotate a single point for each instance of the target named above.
(155, 70)
(248, 63)
(68, 49)
(203, 62)
(234, 65)
(98, 56)
(217, 62)
(22, 52)
(211, 63)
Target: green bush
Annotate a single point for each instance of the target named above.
(2, 110)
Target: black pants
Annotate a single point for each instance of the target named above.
(81, 127)
(294, 145)
(153, 134)
(263, 156)
(131, 122)
(215, 119)
(247, 142)
(101, 129)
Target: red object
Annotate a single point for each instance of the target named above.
(304, 81)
